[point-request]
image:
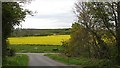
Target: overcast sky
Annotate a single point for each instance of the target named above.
(50, 14)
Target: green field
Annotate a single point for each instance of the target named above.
(36, 48)
(48, 40)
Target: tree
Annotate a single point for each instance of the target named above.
(101, 19)
(117, 21)
(12, 14)
(88, 16)
(78, 44)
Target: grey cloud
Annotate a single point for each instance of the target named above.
(63, 17)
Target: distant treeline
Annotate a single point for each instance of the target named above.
(39, 32)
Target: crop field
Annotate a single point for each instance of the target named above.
(46, 40)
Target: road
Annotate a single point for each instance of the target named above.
(38, 59)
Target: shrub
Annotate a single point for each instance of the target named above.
(10, 52)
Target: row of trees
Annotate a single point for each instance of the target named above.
(97, 31)
(39, 32)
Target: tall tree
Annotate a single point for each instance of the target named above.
(88, 16)
(101, 18)
(12, 14)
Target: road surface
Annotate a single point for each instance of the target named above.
(38, 59)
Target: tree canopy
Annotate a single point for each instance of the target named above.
(12, 14)
(100, 33)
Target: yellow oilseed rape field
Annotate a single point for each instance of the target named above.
(46, 40)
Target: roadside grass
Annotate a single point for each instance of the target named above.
(36, 48)
(82, 61)
(15, 61)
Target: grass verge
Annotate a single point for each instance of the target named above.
(17, 60)
(84, 62)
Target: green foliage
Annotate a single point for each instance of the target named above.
(17, 60)
(10, 52)
(39, 32)
(84, 62)
(66, 48)
(102, 21)
(97, 19)
(12, 14)
(79, 42)
(96, 32)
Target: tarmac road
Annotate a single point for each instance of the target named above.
(38, 59)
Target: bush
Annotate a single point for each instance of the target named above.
(10, 52)
(55, 49)
(66, 48)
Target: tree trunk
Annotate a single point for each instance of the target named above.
(118, 34)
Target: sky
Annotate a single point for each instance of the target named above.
(50, 14)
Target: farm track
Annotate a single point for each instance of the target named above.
(38, 59)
